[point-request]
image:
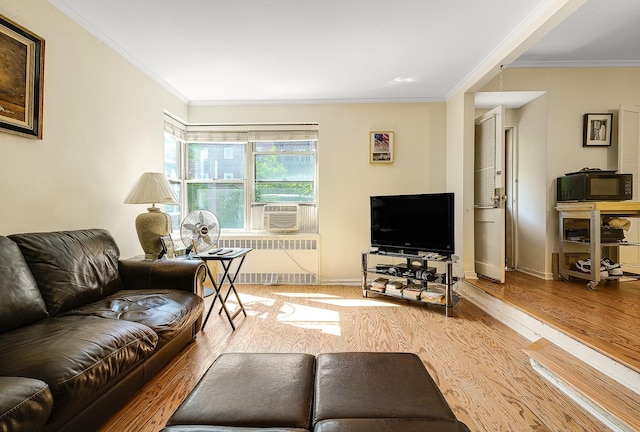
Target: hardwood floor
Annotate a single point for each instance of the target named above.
(477, 361)
(606, 319)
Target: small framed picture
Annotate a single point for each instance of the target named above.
(597, 129)
(168, 249)
(381, 145)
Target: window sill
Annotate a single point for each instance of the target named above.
(258, 234)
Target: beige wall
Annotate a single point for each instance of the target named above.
(346, 177)
(103, 127)
(531, 121)
(551, 143)
(103, 122)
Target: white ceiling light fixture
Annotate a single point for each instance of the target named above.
(404, 80)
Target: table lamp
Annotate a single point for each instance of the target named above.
(152, 188)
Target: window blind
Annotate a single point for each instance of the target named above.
(240, 132)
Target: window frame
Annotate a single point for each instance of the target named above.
(243, 181)
(313, 153)
(187, 134)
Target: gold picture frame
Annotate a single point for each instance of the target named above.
(21, 80)
(381, 146)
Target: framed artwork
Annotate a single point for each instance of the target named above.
(381, 145)
(168, 249)
(21, 80)
(597, 129)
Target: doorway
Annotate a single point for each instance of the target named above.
(496, 195)
(513, 102)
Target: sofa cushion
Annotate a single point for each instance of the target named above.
(77, 356)
(20, 299)
(71, 268)
(390, 425)
(166, 312)
(25, 404)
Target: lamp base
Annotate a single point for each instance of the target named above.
(150, 227)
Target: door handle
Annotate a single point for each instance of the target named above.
(499, 197)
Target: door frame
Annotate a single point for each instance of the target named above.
(511, 180)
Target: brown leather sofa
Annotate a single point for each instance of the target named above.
(81, 331)
(333, 392)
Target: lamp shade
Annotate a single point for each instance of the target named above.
(152, 188)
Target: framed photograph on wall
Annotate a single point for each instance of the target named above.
(21, 80)
(597, 129)
(381, 145)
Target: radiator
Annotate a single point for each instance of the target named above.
(276, 259)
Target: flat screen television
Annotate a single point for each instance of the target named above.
(411, 224)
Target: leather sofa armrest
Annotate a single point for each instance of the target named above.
(185, 275)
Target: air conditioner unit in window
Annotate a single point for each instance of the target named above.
(280, 217)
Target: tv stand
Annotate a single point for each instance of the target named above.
(412, 280)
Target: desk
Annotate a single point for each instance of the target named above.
(226, 260)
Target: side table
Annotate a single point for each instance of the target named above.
(226, 257)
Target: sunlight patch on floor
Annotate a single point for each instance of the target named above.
(335, 300)
(305, 295)
(303, 316)
(309, 317)
(248, 298)
(297, 315)
(357, 303)
(328, 327)
(255, 306)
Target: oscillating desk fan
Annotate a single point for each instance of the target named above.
(200, 230)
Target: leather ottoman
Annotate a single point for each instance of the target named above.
(250, 390)
(378, 392)
(338, 392)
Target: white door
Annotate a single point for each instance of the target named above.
(629, 163)
(489, 195)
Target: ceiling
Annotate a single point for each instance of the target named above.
(302, 51)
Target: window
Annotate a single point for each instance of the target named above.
(235, 171)
(172, 159)
(284, 171)
(216, 181)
